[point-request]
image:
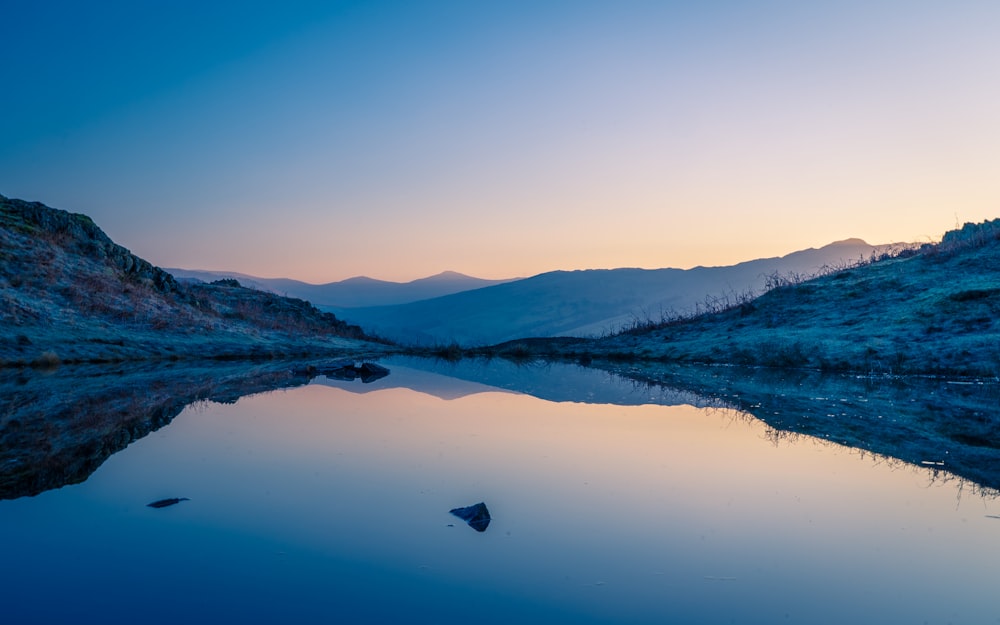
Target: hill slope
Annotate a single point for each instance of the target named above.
(69, 292)
(935, 310)
(353, 292)
(584, 303)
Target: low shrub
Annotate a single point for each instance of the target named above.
(451, 352)
(970, 295)
(518, 351)
(46, 360)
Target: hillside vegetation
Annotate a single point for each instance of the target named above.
(934, 310)
(69, 293)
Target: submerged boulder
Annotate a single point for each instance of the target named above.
(477, 516)
(344, 370)
(348, 371)
(340, 370)
(369, 372)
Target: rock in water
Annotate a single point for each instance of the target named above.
(477, 516)
(369, 372)
(163, 503)
(347, 371)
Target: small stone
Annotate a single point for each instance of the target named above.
(477, 516)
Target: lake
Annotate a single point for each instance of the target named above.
(612, 499)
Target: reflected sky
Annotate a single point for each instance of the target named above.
(321, 504)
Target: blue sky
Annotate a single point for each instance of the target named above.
(322, 140)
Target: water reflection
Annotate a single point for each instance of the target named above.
(330, 501)
(57, 428)
(951, 427)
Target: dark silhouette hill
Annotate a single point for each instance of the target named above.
(69, 293)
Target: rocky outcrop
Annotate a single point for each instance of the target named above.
(80, 234)
(69, 293)
(344, 370)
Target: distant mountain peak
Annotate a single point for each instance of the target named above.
(851, 241)
(363, 280)
(448, 274)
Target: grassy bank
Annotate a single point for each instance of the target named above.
(933, 311)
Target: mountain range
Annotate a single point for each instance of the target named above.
(455, 308)
(588, 302)
(928, 310)
(353, 292)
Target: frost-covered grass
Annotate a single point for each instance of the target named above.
(937, 311)
(932, 311)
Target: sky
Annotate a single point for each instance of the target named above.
(398, 139)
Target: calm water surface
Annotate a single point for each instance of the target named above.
(326, 504)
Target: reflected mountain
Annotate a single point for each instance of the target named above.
(950, 427)
(555, 382)
(420, 375)
(58, 427)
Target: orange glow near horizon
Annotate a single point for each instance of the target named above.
(505, 141)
